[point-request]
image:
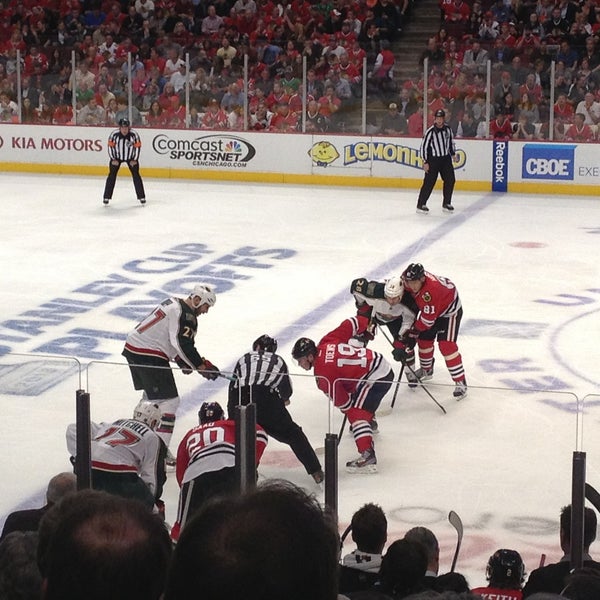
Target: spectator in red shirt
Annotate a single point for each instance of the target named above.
(214, 117)
(501, 127)
(579, 131)
(284, 120)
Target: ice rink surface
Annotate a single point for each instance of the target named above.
(77, 276)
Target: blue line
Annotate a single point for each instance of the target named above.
(403, 257)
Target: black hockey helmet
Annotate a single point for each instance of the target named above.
(413, 272)
(124, 123)
(209, 412)
(264, 343)
(505, 568)
(303, 347)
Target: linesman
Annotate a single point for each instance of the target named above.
(124, 146)
(262, 377)
(437, 152)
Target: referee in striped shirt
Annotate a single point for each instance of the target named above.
(124, 146)
(437, 152)
(262, 377)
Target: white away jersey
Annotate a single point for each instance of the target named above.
(168, 332)
(125, 446)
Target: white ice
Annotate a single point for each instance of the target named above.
(283, 257)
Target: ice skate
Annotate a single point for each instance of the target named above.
(460, 390)
(365, 463)
(419, 375)
(448, 208)
(422, 209)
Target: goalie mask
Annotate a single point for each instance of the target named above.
(147, 412)
(209, 412)
(265, 343)
(203, 293)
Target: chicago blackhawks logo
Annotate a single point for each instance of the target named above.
(427, 297)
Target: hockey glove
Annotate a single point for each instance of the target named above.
(402, 353)
(410, 337)
(208, 370)
(185, 368)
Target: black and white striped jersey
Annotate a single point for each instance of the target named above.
(437, 142)
(124, 147)
(264, 369)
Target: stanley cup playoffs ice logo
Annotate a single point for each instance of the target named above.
(206, 151)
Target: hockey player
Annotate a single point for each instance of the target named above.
(388, 304)
(439, 316)
(167, 334)
(128, 457)
(124, 146)
(206, 461)
(353, 377)
(505, 574)
(262, 377)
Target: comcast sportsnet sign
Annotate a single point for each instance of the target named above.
(206, 151)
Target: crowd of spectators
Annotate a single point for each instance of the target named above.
(274, 541)
(158, 52)
(520, 39)
(182, 64)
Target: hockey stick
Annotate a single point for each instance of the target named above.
(456, 522)
(397, 386)
(345, 535)
(412, 372)
(341, 433)
(320, 450)
(593, 496)
(228, 377)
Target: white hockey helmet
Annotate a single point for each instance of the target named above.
(205, 294)
(147, 412)
(393, 287)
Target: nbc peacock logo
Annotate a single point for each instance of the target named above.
(206, 151)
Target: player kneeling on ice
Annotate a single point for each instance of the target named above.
(353, 377)
(206, 462)
(128, 456)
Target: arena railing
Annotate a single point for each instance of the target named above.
(501, 458)
(362, 113)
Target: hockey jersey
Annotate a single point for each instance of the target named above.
(341, 362)
(491, 593)
(125, 446)
(168, 332)
(211, 447)
(264, 369)
(438, 297)
(372, 294)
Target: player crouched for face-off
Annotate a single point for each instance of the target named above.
(353, 377)
(128, 456)
(206, 462)
(168, 334)
(439, 317)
